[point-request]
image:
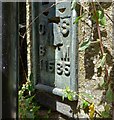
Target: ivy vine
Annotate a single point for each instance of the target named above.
(98, 16)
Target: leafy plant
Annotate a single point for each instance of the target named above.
(28, 108)
(101, 17)
(68, 94)
(86, 105)
(98, 19)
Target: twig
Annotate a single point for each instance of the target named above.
(100, 38)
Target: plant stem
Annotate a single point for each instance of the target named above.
(98, 29)
(100, 38)
(83, 99)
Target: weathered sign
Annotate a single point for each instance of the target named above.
(55, 56)
(57, 46)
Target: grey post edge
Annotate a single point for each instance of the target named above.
(35, 60)
(74, 54)
(0, 60)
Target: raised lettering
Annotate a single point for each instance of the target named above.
(63, 69)
(65, 28)
(42, 50)
(50, 66)
(59, 68)
(67, 69)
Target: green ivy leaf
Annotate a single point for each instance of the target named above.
(67, 89)
(105, 114)
(85, 107)
(27, 102)
(103, 21)
(109, 95)
(85, 104)
(70, 97)
(68, 94)
(101, 17)
(84, 45)
(78, 18)
(107, 108)
(30, 88)
(102, 61)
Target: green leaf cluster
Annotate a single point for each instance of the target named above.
(101, 17)
(106, 112)
(110, 95)
(28, 108)
(68, 94)
(85, 106)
